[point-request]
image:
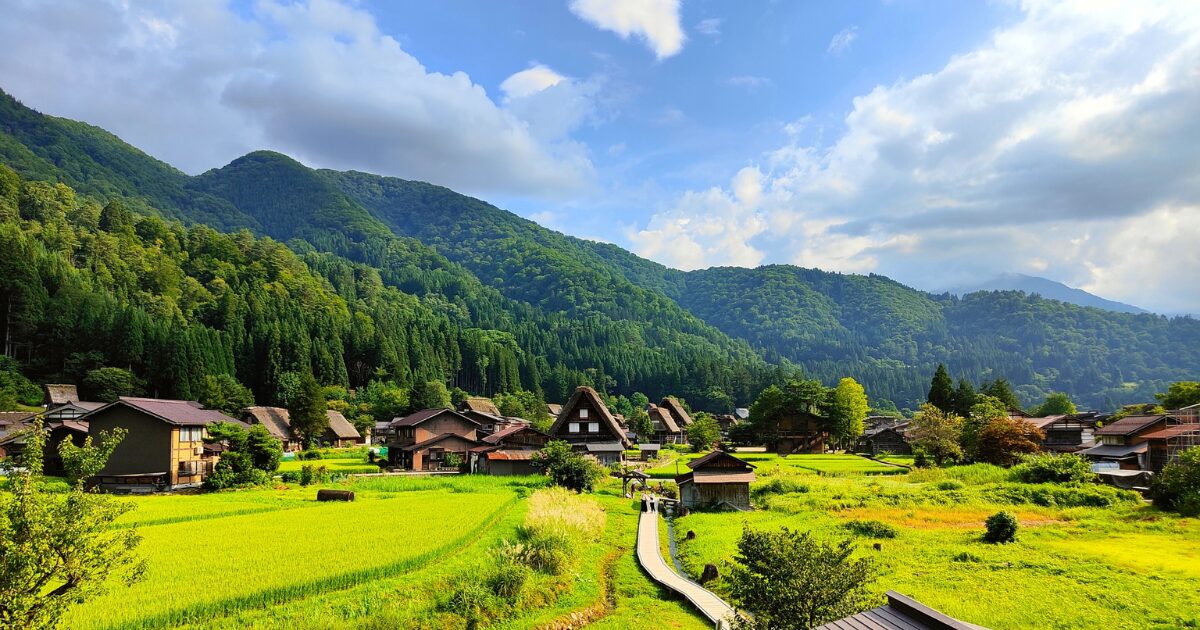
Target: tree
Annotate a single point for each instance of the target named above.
(640, 422)
(788, 580)
(985, 409)
(1179, 395)
(106, 384)
(308, 410)
(797, 396)
(1177, 487)
(81, 463)
(1003, 441)
(1002, 390)
(58, 550)
(941, 390)
(937, 434)
(704, 432)
(224, 392)
(964, 398)
(846, 410)
(567, 468)
(1056, 404)
(430, 395)
(250, 455)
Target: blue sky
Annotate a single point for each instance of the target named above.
(937, 142)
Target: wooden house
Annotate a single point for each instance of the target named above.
(55, 394)
(726, 422)
(340, 433)
(1068, 433)
(717, 480)
(71, 410)
(899, 613)
(12, 443)
(802, 432)
(508, 451)
(278, 422)
(587, 424)
(422, 440)
(666, 431)
(164, 445)
(885, 438)
(1123, 444)
(680, 415)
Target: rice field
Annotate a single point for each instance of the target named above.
(1123, 565)
(335, 466)
(768, 464)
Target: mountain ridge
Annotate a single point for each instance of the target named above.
(1047, 288)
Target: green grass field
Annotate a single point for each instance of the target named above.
(1125, 565)
(767, 464)
(335, 466)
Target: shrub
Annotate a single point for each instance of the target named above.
(1177, 487)
(966, 556)
(1049, 468)
(310, 474)
(871, 529)
(508, 578)
(1001, 528)
(567, 468)
(950, 484)
(452, 460)
(781, 486)
(920, 458)
(310, 454)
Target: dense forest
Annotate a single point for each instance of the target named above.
(265, 267)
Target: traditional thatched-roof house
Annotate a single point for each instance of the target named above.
(481, 405)
(666, 431)
(587, 424)
(1123, 443)
(55, 394)
(278, 422)
(899, 613)
(553, 409)
(717, 480)
(680, 415)
(422, 440)
(508, 451)
(340, 433)
(164, 445)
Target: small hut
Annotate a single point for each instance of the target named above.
(717, 480)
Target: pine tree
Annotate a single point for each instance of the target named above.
(964, 398)
(308, 409)
(941, 390)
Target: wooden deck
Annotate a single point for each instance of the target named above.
(652, 561)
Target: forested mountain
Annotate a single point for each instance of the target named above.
(1047, 289)
(493, 302)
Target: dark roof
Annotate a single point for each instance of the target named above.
(675, 408)
(900, 613)
(898, 428)
(661, 419)
(496, 437)
(8, 418)
(415, 418)
(434, 440)
(1129, 425)
(650, 447)
(719, 457)
(604, 447)
(59, 393)
(1116, 450)
(340, 427)
(480, 404)
(70, 425)
(594, 399)
(277, 420)
(177, 412)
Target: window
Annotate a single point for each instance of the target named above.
(593, 427)
(573, 427)
(583, 413)
(191, 434)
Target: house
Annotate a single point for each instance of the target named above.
(1123, 443)
(481, 405)
(587, 424)
(680, 415)
(716, 480)
(278, 422)
(885, 438)
(1017, 414)
(340, 432)
(422, 440)
(899, 613)
(1068, 433)
(12, 444)
(666, 431)
(14, 421)
(553, 409)
(163, 448)
(508, 451)
(71, 410)
(56, 394)
(726, 422)
(650, 451)
(802, 432)
(1165, 445)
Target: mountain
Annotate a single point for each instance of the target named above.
(559, 311)
(1034, 285)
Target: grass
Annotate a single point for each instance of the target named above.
(768, 464)
(1121, 565)
(336, 466)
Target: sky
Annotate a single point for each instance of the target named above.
(937, 142)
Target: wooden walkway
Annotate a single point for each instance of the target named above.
(651, 559)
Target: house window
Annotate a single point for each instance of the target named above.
(573, 427)
(583, 414)
(593, 427)
(191, 434)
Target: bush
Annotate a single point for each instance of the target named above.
(472, 601)
(1049, 468)
(781, 486)
(310, 454)
(509, 576)
(950, 484)
(1177, 487)
(567, 468)
(871, 529)
(1055, 495)
(1001, 528)
(920, 459)
(310, 474)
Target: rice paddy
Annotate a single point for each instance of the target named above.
(768, 464)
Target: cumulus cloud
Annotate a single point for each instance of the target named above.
(1064, 145)
(530, 81)
(199, 83)
(655, 21)
(842, 41)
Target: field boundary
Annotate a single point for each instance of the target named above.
(302, 590)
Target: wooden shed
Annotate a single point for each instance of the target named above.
(718, 480)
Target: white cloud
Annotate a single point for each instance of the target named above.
(530, 81)
(655, 21)
(748, 81)
(199, 83)
(710, 27)
(842, 41)
(1064, 145)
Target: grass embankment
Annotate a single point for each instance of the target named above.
(1086, 556)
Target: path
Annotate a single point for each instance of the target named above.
(651, 559)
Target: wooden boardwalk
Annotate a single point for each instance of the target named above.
(651, 559)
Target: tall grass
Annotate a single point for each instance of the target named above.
(973, 474)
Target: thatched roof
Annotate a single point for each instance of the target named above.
(677, 411)
(481, 405)
(340, 427)
(606, 418)
(277, 420)
(59, 394)
(661, 419)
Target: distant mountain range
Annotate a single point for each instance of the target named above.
(1034, 285)
(569, 309)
